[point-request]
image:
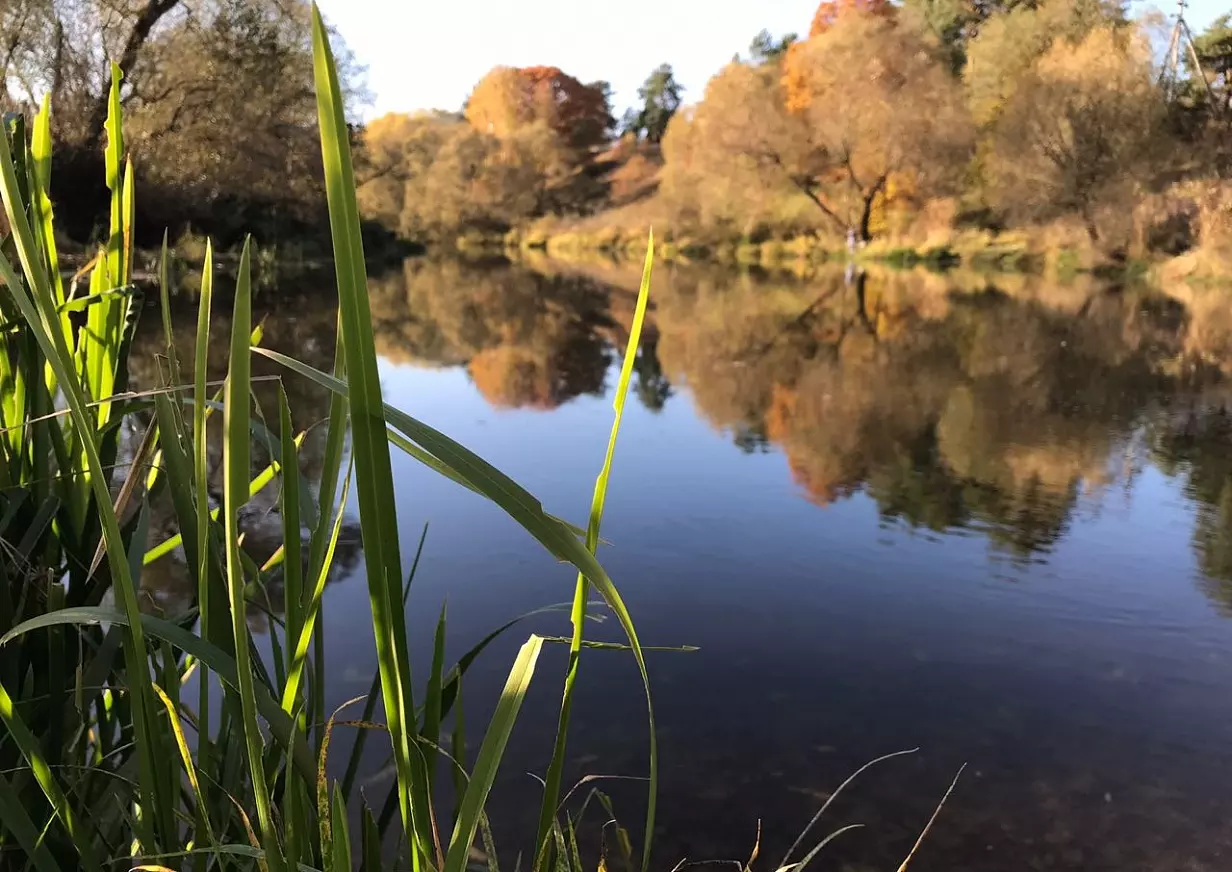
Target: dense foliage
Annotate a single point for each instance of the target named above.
(1012, 113)
(193, 71)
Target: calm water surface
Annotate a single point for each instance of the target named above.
(993, 522)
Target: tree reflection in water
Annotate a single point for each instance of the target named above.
(305, 331)
(955, 401)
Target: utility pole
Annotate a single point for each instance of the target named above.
(1182, 44)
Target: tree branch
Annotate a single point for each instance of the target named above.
(806, 187)
(809, 191)
(149, 16)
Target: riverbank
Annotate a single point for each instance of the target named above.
(1054, 253)
(1183, 233)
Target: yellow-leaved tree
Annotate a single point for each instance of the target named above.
(868, 99)
(1080, 131)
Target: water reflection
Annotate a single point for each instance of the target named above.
(1077, 438)
(1193, 442)
(952, 402)
(304, 331)
(951, 408)
(526, 340)
(955, 402)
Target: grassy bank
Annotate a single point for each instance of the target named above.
(803, 256)
(1182, 232)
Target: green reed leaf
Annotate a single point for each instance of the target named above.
(373, 472)
(38, 310)
(551, 532)
(551, 789)
(490, 753)
(15, 819)
(235, 494)
(219, 661)
(33, 752)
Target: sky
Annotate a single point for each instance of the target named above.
(428, 54)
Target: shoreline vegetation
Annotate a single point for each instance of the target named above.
(1043, 137)
(159, 741)
(164, 741)
(1047, 136)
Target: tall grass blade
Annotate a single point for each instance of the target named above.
(293, 566)
(490, 753)
(39, 312)
(932, 820)
(295, 671)
(40, 152)
(833, 796)
(357, 748)
(164, 299)
(235, 494)
(373, 473)
(370, 842)
(211, 592)
(15, 819)
(294, 794)
(551, 788)
(556, 536)
(190, 770)
(113, 156)
(220, 662)
(342, 834)
(811, 855)
(179, 470)
(21, 735)
(431, 731)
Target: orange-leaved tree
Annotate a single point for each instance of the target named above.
(864, 103)
(510, 98)
(829, 11)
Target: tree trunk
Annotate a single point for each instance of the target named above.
(1088, 221)
(150, 15)
(57, 72)
(866, 214)
(866, 217)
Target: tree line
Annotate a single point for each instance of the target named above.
(1006, 112)
(1009, 111)
(218, 107)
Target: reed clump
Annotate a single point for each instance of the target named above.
(129, 737)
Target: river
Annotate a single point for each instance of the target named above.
(986, 517)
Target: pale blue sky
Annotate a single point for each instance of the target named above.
(428, 54)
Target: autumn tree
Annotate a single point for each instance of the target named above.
(396, 151)
(61, 48)
(1214, 50)
(830, 11)
(956, 22)
(862, 107)
(873, 102)
(738, 155)
(509, 98)
(1078, 131)
(661, 97)
(433, 174)
(1000, 57)
(240, 69)
(194, 72)
(520, 149)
